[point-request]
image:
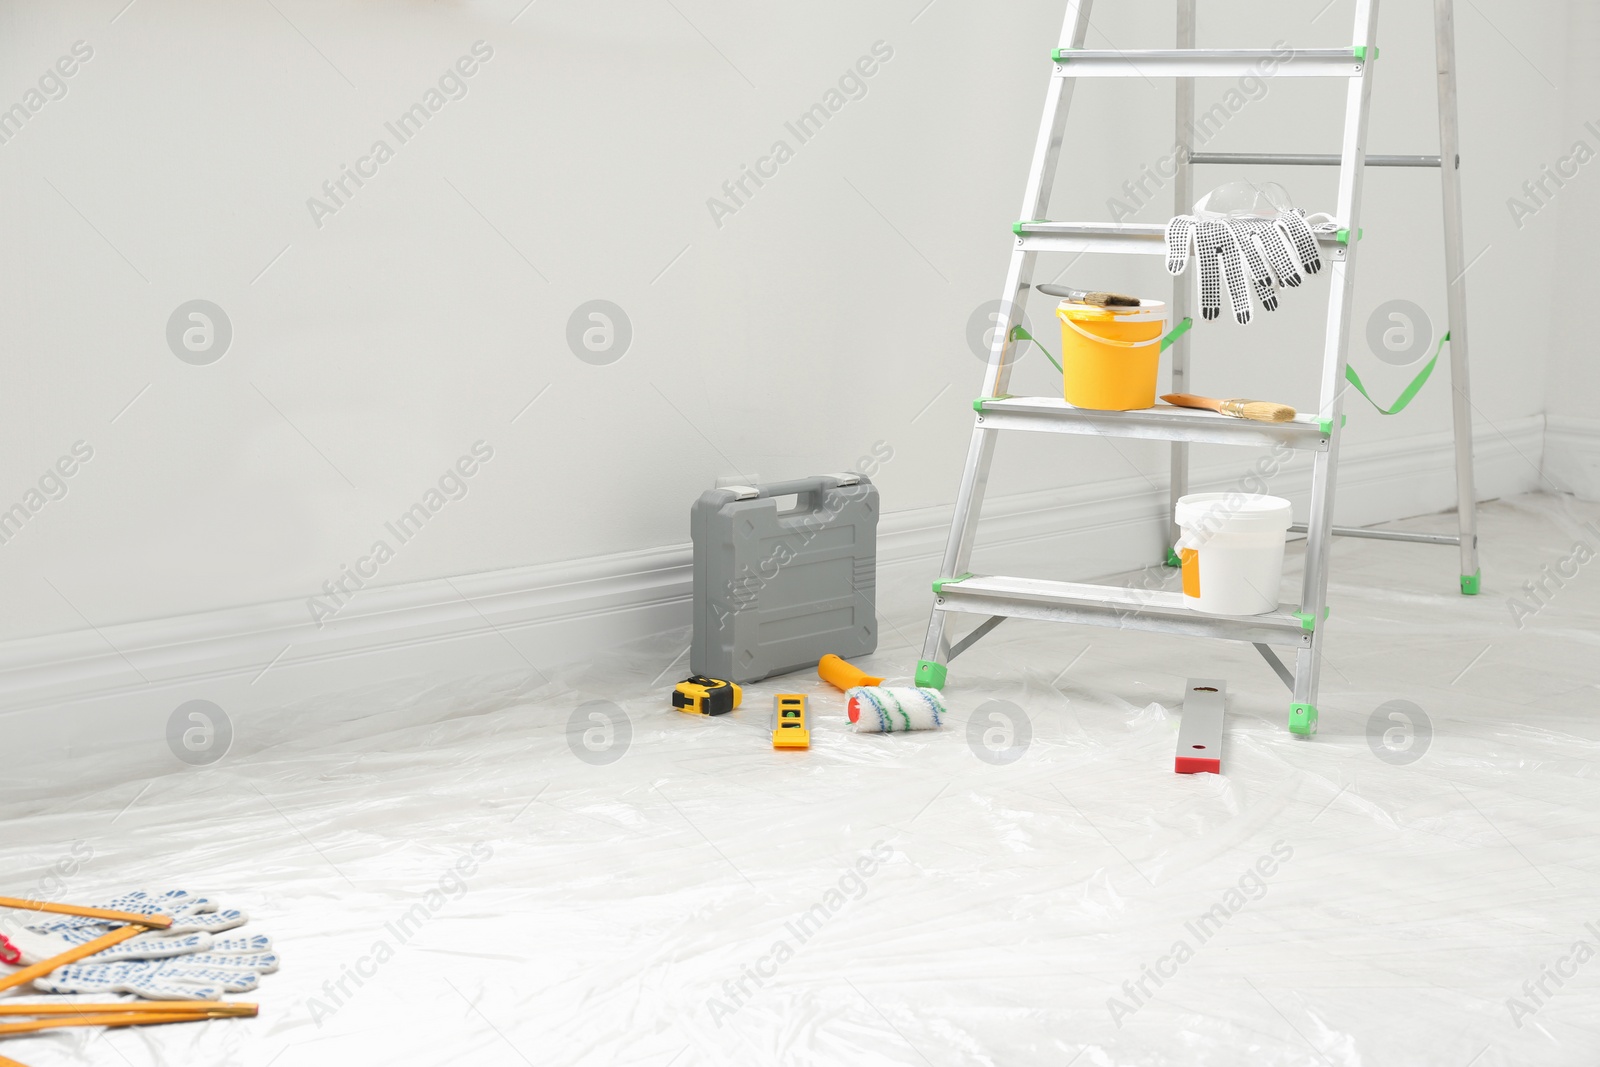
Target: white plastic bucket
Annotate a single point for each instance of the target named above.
(1232, 551)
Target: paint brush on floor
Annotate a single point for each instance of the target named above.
(114, 1020)
(1095, 299)
(38, 1009)
(1259, 410)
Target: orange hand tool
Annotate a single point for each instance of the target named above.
(844, 674)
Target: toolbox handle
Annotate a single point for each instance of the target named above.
(809, 488)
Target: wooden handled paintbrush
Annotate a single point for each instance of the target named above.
(78, 1008)
(154, 922)
(114, 1020)
(1102, 300)
(1259, 410)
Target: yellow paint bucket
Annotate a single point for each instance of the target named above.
(1109, 356)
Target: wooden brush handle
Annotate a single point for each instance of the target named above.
(1256, 410)
(132, 1007)
(155, 922)
(118, 1019)
(1189, 400)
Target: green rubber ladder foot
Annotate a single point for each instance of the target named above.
(1172, 558)
(1471, 583)
(1303, 720)
(931, 675)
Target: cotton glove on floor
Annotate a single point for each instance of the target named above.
(230, 965)
(195, 921)
(1245, 237)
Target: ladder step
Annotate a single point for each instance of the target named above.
(1386, 535)
(1208, 62)
(1130, 238)
(1117, 606)
(1160, 423)
(1308, 160)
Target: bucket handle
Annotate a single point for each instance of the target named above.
(1108, 341)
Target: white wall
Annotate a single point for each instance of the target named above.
(1567, 209)
(373, 347)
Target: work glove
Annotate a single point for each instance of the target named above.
(230, 965)
(195, 922)
(1246, 237)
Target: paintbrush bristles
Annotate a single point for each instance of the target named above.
(1113, 300)
(1259, 410)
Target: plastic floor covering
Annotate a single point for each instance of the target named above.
(486, 873)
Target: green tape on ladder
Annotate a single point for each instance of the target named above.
(1177, 332)
(940, 583)
(1408, 393)
(1020, 334)
(1308, 621)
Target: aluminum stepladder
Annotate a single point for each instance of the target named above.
(999, 598)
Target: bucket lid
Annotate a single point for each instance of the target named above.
(1236, 512)
(1147, 311)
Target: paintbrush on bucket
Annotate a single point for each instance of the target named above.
(1103, 300)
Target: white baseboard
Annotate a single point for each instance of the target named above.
(1572, 455)
(78, 692)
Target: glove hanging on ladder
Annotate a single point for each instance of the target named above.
(1245, 237)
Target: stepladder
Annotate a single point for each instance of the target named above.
(1290, 638)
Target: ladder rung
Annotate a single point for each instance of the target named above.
(1309, 160)
(1207, 63)
(1160, 423)
(1135, 238)
(1110, 605)
(1386, 535)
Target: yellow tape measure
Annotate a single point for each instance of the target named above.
(706, 696)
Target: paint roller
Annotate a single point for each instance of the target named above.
(876, 709)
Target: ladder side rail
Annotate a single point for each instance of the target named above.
(1013, 299)
(1182, 285)
(1319, 533)
(1035, 202)
(1455, 271)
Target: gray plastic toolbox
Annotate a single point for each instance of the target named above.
(776, 590)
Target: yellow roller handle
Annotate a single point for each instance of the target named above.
(843, 674)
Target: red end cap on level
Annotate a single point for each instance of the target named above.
(1192, 765)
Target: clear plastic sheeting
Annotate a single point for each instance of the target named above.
(566, 871)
